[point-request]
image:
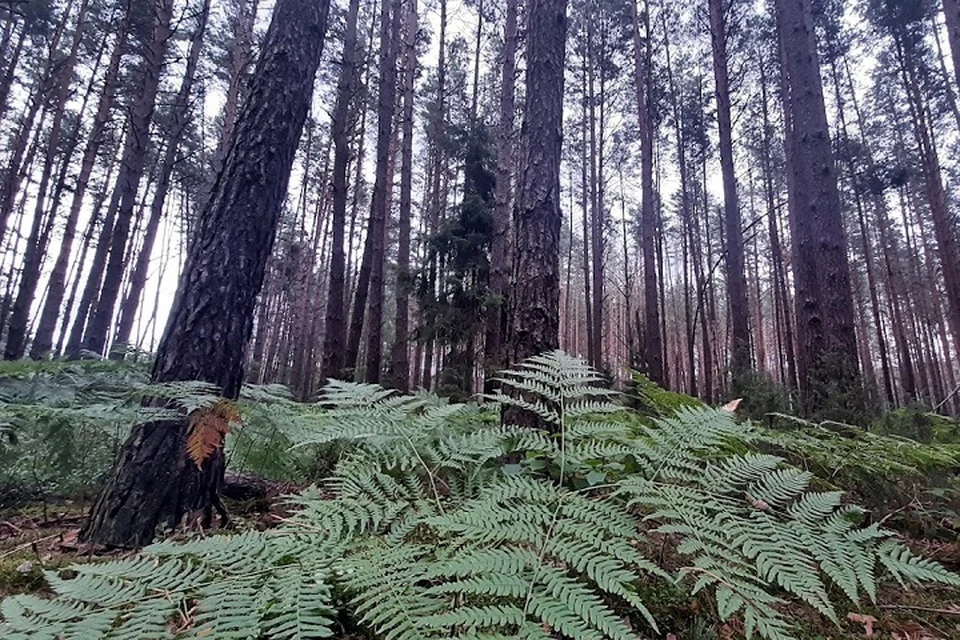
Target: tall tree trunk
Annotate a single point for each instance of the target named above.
(741, 360)
(241, 55)
(944, 229)
(212, 316)
(43, 340)
(335, 316)
(500, 244)
(535, 304)
(368, 299)
(10, 187)
(132, 166)
(33, 256)
(642, 57)
(951, 12)
(181, 114)
(400, 356)
(824, 299)
(373, 294)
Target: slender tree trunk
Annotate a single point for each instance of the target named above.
(43, 340)
(943, 227)
(241, 56)
(132, 166)
(535, 304)
(212, 316)
(181, 114)
(741, 360)
(499, 252)
(824, 300)
(33, 256)
(951, 12)
(642, 55)
(383, 183)
(400, 356)
(10, 187)
(335, 317)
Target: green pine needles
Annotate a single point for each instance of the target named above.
(440, 522)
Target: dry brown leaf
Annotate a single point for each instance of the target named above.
(209, 427)
(732, 406)
(865, 620)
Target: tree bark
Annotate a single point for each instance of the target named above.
(642, 57)
(49, 315)
(212, 316)
(132, 166)
(500, 243)
(741, 358)
(828, 363)
(400, 356)
(535, 305)
(36, 247)
(181, 113)
(382, 186)
(334, 342)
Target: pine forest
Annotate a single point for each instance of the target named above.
(479, 319)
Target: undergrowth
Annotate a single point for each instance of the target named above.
(439, 522)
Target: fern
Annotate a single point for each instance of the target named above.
(438, 522)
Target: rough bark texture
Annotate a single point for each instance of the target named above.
(652, 339)
(741, 360)
(132, 167)
(43, 340)
(181, 112)
(500, 244)
(212, 316)
(334, 336)
(828, 359)
(535, 303)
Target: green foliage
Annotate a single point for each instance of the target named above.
(438, 522)
(652, 399)
(62, 422)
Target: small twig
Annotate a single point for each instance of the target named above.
(947, 399)
(27, 545)
(949, 612)
(12, 526)
(884, 519)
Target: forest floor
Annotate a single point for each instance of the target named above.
(40, 536)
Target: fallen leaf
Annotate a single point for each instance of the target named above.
(731, 407)
(865, 620)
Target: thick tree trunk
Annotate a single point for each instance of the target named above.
(741, 359)
(400, 356)
(132, 166)
(212, 316)
(500, 245)
(181, 113)
(535, 303)
(824, 300)
(334, 338)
